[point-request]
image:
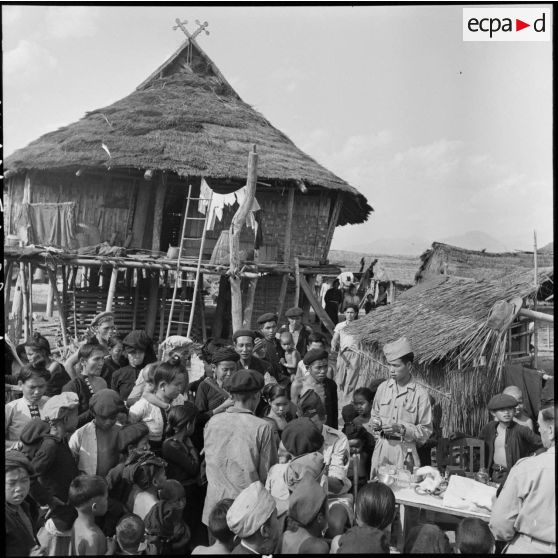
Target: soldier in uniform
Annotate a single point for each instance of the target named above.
(401, 410)
(336, 454)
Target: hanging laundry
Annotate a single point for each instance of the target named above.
(205, 195)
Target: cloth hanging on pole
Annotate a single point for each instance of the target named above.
(50, 224)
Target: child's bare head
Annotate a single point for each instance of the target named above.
(130, 531)
(173, 492)
(89, 494)
(473, 536)
(286, 340)
(217, 522)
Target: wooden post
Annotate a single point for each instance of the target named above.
(60, 306)
(17, 306)
(289, 227)
(152, 304)
(50, 301)
(234, 238)
(201, 303)
(249, 306)
(8, 282)
(136, 298)
(305, 302)
(282, 294)
(160, 195)
(30, 294)
(163, 304)
(222, 309)
(535, 326)
(297, 282)
(25, 295)
(112, 289)
(316, 304)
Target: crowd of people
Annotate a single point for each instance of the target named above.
(118, 451)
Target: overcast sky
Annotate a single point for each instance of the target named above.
(442, 136)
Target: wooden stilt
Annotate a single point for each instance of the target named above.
(221, 309)
(201, 303)
(25, 295)
(282, 294)
(8, 282)
(305, 302)
(17, 307)
(61, 309)
(163, 305)
(320, 312)
(249, 306)
(30, 294)
(112, 289)
(297, 282)
(136, 298)
(50, 301)
(152, 304)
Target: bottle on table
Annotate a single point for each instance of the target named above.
(409, 462)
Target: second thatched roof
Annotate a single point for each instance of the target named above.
(185, 118)
(443, 317)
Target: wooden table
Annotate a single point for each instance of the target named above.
(408, 498)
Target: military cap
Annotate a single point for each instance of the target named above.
(313, 355)
(306, 500)
(250, 510)
(365, 539)
(302, 436)
(54, 408)
(106, 403)
(131, 434)
(310, 404)
(246, 381)
(102, 317)
(309, 464)
(398, 348)
(502, 401)
(268, 317)
(294, 312)
(243, 333)
(224, 354)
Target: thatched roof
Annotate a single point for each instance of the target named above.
(452, 260)
(442, 318)
(185, 119)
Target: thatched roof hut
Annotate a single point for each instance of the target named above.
(443, 259)
(122, 174)
(456, 354)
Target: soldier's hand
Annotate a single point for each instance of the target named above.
(391, 429)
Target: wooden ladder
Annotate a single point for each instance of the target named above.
(184, 239)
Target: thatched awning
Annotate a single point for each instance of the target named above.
(452, 260)
(443, 317)
(187, 120)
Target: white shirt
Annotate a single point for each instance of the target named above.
(83, 445)
(143, 411)
(17, 416)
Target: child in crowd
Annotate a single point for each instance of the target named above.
(219, 530)
(138, 349)
(114, 360)
(279, 409)
(291, 357)
(19, 529)
(130, 537)
(45, 442)
(362, 401)
(89, 496)
(164, 524)
(520, 416)
(32, 380)
(94, 445)
(506, 441)
(37, 348)
(427, 539)
(473, 536)
(91, 358)
(169, 381)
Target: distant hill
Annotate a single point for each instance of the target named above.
(548, 248)
(394, 246)
(475, 240)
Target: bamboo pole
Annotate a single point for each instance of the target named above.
(282, 294)
(137, 273)
(30, 294)
(60, 306)
(540, 316)
(163, 304)
(112, 289)
(234, 239)
(25, 297)
(297, 282)
(50, 301)
(535, 326)
(8, 282)
(152, 305)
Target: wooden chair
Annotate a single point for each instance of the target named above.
(466, 454)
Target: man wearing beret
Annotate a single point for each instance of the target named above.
(297, 329)
(316, 362)
(239, 447)
(402, 408)
(267, 346)
(336, 454)
(243, 340)
(505, 440)
(252, 517)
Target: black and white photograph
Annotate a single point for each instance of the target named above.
(278, 278)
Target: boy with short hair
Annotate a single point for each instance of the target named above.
(130, 537)
(89, 495)
(520, 416)
(473, 536)
(219, 530)
(506, 441)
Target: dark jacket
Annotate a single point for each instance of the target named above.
(19, 531)
(183, 461)
(78, 386)
(330, 403)
(520, 441)
(123, 381)
(271, 352)
(58, 379)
